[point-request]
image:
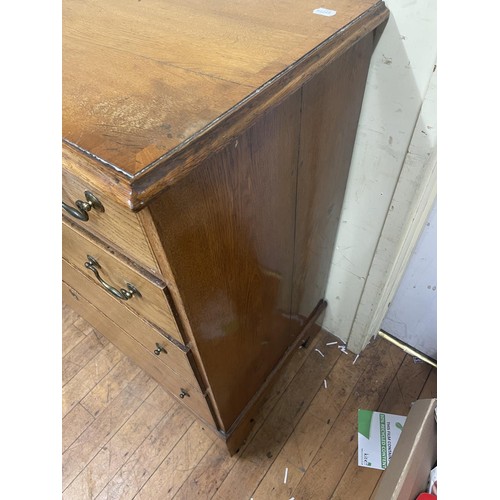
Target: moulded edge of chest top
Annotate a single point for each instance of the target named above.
(136, 191)
(97, 174)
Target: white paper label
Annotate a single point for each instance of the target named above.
(324, 12)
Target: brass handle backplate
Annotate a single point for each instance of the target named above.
(184, 393)
(83, 207)
(121, 294)
(159, 349)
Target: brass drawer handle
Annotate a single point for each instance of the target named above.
(184, 393)
(121, 294)
(159, 349)
(81, 213)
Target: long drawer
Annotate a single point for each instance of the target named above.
(183, 390)
(150, 298)
(178, 357)
(114, 224)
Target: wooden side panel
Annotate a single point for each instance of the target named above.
(330, 112)
(228, 232)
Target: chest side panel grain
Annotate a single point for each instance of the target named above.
(228, 232)
(330, 113)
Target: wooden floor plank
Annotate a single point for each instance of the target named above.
(81, 354)
(102, 429)
(208, 475)
(259, 455)
(429, 390)
(403, 391)
(90, 375)
(84, 326)
(73, 424)
(68, 317)
(131, 450)
(110, 386)
(129, 480)
(331, 460)
(305, 440)
(175, 469)
(109, 460)
(71, 337)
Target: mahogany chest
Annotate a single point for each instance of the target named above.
(206, 148)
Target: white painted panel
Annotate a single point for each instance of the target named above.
(401, 68)
(412, 314)
(411, 203)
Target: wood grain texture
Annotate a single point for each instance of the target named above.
(90, 374)
(271, 437)
(116, 225)
(83, 325)
(406, 387)
(298, 452)
(127, 439)
(120, 462)
(174, 470)
(109, 386)
(126, 483)
(178, 305)
(171, 381)
(330, 461)
(153, 303)
(232, 261)
(173, 355)
(81, 452)
(331, 104)
(234, 123)
(144, 126)
(293, 164)
(83, 352)
(74, 334)
(212, 470)
(241, 428)
(73, 424)
(429, 390)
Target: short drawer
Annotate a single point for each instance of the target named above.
(117, 226)
(96, 260)
(183, 390)
(178, 357)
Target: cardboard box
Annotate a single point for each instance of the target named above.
(414, 456)
(378, 435)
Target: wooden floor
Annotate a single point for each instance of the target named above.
(123, 437)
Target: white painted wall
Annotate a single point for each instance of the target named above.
(412, 313)
(401, 68)
(411, 203)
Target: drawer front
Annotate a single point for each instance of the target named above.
(172, 355)
(185, 392)
(116, 225)
(151, 302)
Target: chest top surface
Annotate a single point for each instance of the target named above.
(143, 78)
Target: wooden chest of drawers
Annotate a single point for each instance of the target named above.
(206, 148)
